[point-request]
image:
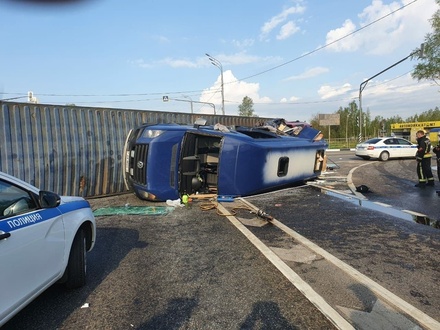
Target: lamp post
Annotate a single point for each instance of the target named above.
(191, 101)
(364, 84)
(362, 87)
(218, 64)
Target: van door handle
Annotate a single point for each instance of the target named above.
(4, 235)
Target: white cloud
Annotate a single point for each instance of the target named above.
(168, 61)
(291, 99)
(178, 63)
(287, 30)
(397, 104)
(347, 44)
(243, 43)
(407, 26)
(403, 85)
(277, 20)
(203, 61)
(326, 91)
(234, 92)
(140, 63)
(237, 59)
(398, 97)
(313, 72)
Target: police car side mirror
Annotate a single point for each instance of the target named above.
(49, 199)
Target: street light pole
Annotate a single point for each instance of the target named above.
(218, 64)
(364, 84)
(362, 87)
(191, 100)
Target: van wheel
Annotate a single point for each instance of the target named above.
(384, 156)
(77, 266)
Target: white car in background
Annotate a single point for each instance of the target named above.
(386, 148)
(43, 240)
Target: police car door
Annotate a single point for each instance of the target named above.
(406, 148)
(31, 247)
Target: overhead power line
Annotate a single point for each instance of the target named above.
(327, 45)
(198, 92)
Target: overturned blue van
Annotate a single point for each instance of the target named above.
(165, 161)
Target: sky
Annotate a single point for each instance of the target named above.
(294, 58)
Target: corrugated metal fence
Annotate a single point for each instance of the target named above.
(77, 151)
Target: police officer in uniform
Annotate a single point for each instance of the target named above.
(437, 153)
(423, 157)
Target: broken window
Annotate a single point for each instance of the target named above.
(283, 166)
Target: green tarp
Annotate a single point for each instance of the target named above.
(133, 210)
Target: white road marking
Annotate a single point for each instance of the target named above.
(328, 311)
(395, 301)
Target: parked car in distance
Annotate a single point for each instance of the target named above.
(386, 148)
(43, 240)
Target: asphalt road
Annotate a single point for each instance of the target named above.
(390, 182)
(188, 270)
(191, 269)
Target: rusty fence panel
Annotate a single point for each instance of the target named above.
(75, 150)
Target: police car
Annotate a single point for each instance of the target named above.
(43, 240)
(386, 148)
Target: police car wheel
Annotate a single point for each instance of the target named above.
(76, 268)
(384, 156)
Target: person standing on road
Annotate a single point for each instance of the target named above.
(423, 157)
(437, 153)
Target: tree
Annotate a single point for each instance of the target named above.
(246, 108)
(430, 115)
(429, 67)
